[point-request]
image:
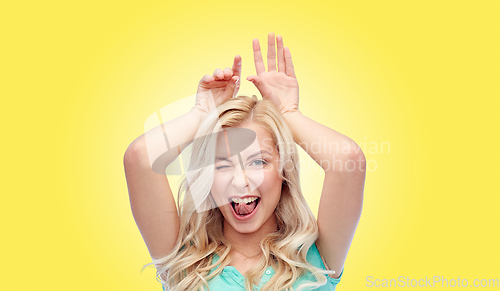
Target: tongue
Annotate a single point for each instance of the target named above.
(244, 209)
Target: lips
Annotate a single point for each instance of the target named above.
(232, 198)
(248, 210)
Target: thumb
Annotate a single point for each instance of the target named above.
(261, 86)
(233, 86)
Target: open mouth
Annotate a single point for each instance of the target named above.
(244, 208)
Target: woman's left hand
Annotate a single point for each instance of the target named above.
(281, 87)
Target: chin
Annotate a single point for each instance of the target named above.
(241, 227)
(250, 228)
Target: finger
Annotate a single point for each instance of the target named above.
(281, 54)
(238, 83)
(237, 66)
(271, 53)
(289, 64)
(206, 79)
(232, 87)
(228, 73)
(218, 74)
(218, 84)
(261, 86)
(257, 57)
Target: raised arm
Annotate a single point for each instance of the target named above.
(343, 161)
(151, 199)
(342, 195)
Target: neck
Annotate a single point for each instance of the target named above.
(248, 244)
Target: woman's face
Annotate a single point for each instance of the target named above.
(251, 175)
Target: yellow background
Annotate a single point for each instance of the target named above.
(79, 78)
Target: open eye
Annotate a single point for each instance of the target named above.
(259, 163)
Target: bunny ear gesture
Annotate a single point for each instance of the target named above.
(285, 63)
(281, 87)
(222, 85)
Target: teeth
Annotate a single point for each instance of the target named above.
(244, 200)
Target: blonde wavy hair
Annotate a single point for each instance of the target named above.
(189, 265)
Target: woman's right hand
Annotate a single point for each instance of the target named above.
(222, 85)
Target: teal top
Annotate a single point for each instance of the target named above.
(230, 278)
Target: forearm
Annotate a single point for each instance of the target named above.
(163, 144)
(323, 144)
(151, 198)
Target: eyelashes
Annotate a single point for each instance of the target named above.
(221, 167)
(262, 162)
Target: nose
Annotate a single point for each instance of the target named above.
(240, 179)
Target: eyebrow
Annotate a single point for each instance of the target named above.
(249, 157)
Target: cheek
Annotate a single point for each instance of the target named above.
(272, 183)
(271, 175)
(219, 186)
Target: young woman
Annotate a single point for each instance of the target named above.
(243, 223)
